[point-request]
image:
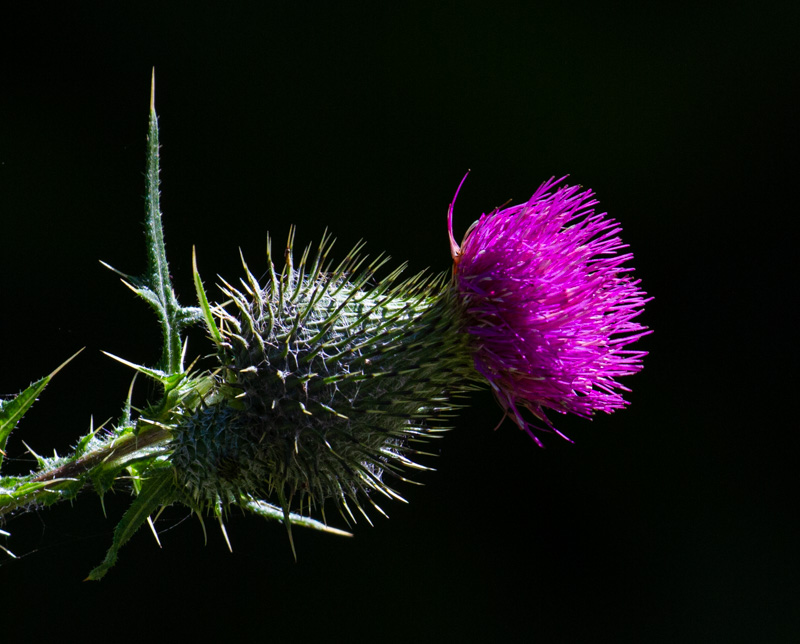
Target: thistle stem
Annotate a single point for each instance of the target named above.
(118, 449)
(73, 475)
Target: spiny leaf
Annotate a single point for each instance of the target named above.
(155, 374)
(155, 286)
(157, 278)
(11, 411)
(156, 491)
(204, 306)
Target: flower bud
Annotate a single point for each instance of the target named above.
(331, 382)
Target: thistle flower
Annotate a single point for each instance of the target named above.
(328, 379)
(549, 305)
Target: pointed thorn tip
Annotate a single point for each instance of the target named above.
(153, 90)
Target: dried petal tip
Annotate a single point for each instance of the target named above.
(550, 306)
(455, 249)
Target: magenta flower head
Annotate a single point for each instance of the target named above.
(549, 305)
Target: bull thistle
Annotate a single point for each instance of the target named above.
(330, 379)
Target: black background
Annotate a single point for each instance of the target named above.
(672, 521)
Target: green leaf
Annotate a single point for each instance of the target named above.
(269, 511)
(155, 374)
(157, 278)
(216, 336)
(156, 491)
(155, 286)
(11, 411)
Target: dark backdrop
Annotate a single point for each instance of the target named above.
(672, 521)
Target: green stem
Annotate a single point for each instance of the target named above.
(73, 475)
(119, 449)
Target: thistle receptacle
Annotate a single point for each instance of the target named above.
(331, 381)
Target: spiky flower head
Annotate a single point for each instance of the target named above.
(331, 379)
(549, 305)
